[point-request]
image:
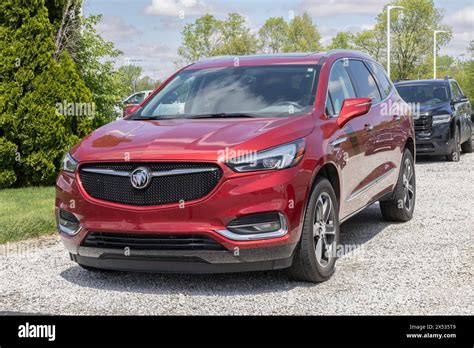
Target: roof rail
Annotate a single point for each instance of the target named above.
(343, 50)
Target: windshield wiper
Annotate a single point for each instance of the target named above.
(222, 115)
(195, 116)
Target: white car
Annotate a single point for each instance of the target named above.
(135, 98)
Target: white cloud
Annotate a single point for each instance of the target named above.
(319, 8)
(177, 8)
(462, 23)
(157, 61)
(115, 29)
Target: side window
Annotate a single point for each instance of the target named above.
(364, 81)
(385, 86)
(455, 92)
(340, 87)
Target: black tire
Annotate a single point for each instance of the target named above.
(466, 147)
(400, 207)
(455, 154)
(306, 266)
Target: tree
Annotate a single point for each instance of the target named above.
(412, 34)
(343, 39)
(96, 59)
(302, 35)
(234, 37)
(129, 76)
(273, 35)
(146, 83)
(65, 16)
(372, 42)
(208, 37)
(34, 135)
(198, 39)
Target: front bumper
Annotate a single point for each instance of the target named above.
(187, 261)
(282, 191)
(439, 142)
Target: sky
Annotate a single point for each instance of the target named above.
(148, 32)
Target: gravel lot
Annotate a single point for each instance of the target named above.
(421, 267)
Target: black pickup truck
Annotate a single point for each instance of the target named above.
(443, 124)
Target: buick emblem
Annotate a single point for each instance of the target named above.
(140, 178)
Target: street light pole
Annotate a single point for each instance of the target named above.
(434, 51)
(389, 8)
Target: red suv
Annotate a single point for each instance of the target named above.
(239, 164)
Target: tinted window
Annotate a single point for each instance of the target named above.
(424, 94)
(276, 90)
(340, 88)
(364, 81)
(455, 92)
(384, 83)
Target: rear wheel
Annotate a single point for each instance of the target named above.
(466, 147)
(400, 207)
(315, 256)
(455, 154)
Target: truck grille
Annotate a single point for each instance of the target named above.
(111, 182)
(423, 125)
(112, 240)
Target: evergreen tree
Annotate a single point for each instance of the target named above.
(34, 134)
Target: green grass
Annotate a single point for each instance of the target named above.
(26, 212)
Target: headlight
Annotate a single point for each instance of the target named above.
(279, 157)
(441, 118)
(69, 164)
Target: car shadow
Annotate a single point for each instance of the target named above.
(424, 159)
(356, 231)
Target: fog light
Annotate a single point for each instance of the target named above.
(67, 222)
(256, 226)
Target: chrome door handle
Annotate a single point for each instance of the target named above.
(338, 142)
(369, 127)
(396, 117)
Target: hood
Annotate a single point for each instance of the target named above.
(435, 109)
(187, 139)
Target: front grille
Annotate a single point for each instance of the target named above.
(423, 125)
(142, 241)
(161, 190)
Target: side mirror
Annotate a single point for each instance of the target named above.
(129, 109)
(353, 107)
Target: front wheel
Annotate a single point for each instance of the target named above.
(455, 154)
(315, 256)
(466, 147)
(402, 204)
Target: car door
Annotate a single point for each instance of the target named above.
(348, 143)
(462, 110)
(389, 134)
(378, 157)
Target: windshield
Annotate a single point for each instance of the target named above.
(423, 94)
(255, 91)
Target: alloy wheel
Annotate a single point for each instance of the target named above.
(408, 185)
(324, 230)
